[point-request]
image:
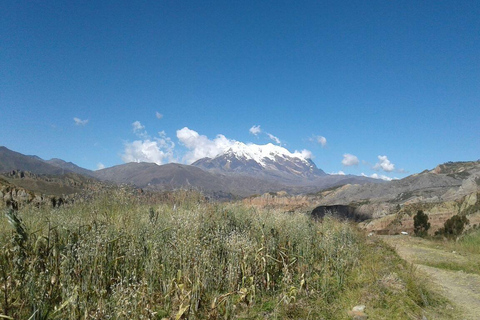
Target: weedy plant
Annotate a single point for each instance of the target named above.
(114, 257)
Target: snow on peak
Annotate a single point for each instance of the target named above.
(268, 151)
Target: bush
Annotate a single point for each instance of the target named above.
(453, 227)
(421, 224)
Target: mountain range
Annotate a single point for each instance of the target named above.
(262, 175)
(268, 161)
(242, 170)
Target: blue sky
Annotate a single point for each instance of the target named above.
(393, 87)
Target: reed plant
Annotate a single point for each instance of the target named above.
(118, 257)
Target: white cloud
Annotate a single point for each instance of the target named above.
(321, 140)
(349, 160)
(200, 146)
(379, 176)
(255, 130)
(158, 115)
(273, 138)
(159, 151)
(306, 154)
(137, 126)
(384, 164)
(139, 130)
(100, 166)
(80, 122)
(339, 173)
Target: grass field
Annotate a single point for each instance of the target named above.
(119, 256)
(466, 250)
(468, 243)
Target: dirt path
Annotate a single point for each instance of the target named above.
(461, 288)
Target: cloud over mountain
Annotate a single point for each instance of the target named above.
(255, 130)
(200, 146)
(274, 139)
(384, 164)
(159, 150)
(378, 176)
(349, 160)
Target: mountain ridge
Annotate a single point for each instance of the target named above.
(300, 175)
(12, 160)
(268, 161)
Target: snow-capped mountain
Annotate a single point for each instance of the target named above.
(262, 160)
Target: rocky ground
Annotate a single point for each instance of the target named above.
(461, 288)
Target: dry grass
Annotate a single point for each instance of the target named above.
(114, 257)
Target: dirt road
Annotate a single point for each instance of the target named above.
(460, 287)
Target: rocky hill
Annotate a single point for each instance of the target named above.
(21, 187)
(446, 182)
(449, 189)
(30, 179)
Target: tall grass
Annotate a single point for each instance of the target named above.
(120, 256)
(114, 258)
(470, 242)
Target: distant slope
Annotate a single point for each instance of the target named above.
(69, 166)
(174, 175)
(449, 182)
(150, 174)
(445, 182)
(48, 184)
(11, 160)
(54, 177)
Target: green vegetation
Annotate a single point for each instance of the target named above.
(453, 227)
(467, 245)
(470, 242)
(469, 266)
(421, 224)
(461, 255)
(120, 255)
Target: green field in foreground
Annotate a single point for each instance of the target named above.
(120, 255)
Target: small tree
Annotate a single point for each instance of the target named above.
(421, 224)
(453, 227)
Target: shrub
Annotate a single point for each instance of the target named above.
(453, 227)
(421, 224)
